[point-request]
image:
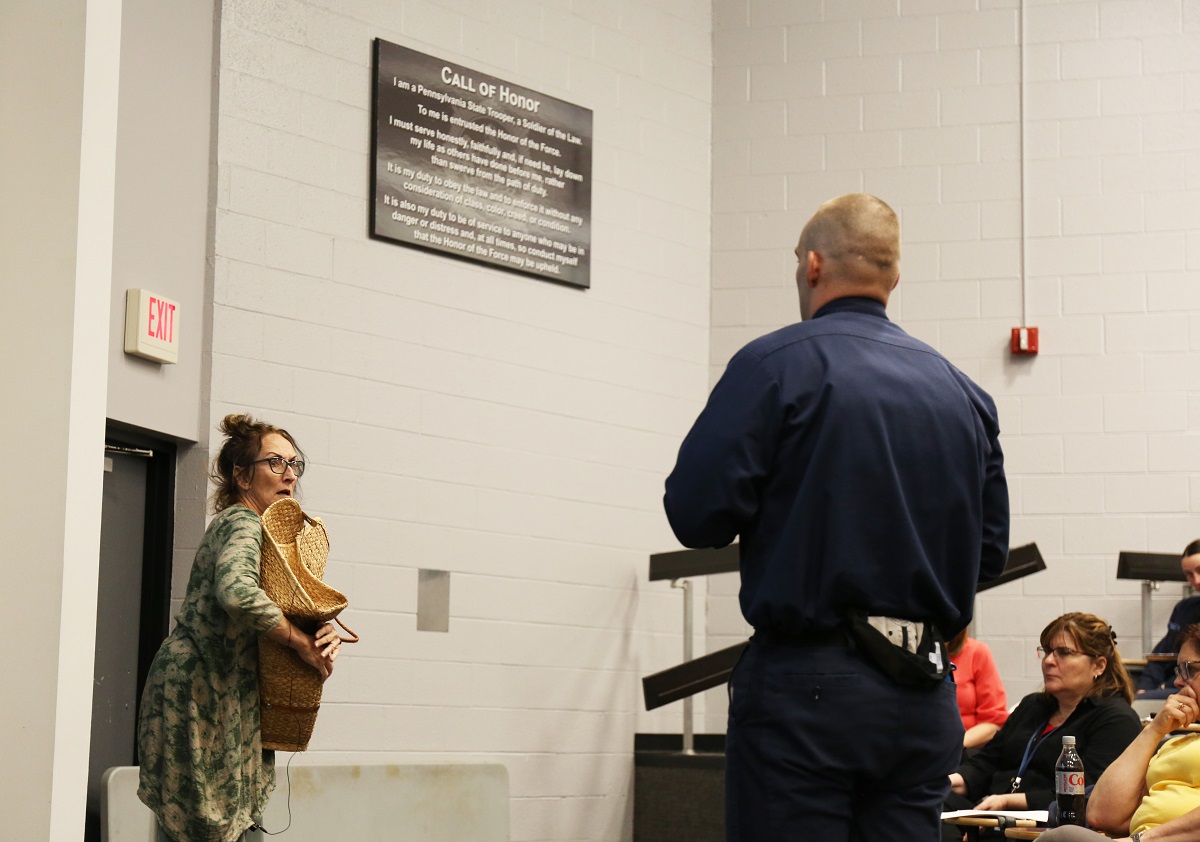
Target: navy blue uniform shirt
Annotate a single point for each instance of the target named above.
(861, 470)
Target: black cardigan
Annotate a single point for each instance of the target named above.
(1102, 727)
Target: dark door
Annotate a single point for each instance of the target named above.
(133, 597)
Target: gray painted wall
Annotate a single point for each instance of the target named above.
(161, 231)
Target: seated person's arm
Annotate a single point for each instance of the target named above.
(975, 774)
(979, 734)
(1119, 790)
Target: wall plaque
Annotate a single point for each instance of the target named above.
(470, 165)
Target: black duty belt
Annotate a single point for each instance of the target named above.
(838, 636)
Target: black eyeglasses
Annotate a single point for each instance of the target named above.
(1059, 652)
(1187, 670)
(279, 465)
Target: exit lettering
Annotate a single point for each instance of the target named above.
(161, 322)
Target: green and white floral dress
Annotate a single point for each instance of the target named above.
(203, 770)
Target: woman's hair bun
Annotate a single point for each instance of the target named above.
(238, 425)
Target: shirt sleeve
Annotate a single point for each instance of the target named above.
(979, 769)
(991, 702)
(1002, 753)
(1154, 673)
(715, 488)
(236, 587)
(994, 546)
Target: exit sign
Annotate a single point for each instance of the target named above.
(151, 326)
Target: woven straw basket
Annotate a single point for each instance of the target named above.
(295, 551)
(294, 554)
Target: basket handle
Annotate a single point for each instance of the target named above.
(353, 638)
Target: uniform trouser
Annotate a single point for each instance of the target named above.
(822, 745)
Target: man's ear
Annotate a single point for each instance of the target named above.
(896, 282)
(812, 269)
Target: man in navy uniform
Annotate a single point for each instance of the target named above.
(863, 474)
(1157, 680)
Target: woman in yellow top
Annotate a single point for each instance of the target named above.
(1153, 790)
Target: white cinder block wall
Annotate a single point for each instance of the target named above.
(919, 102)
(517, 433)
(513, 432)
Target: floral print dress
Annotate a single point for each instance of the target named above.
(203, 770)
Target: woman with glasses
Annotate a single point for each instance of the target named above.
(204, 772)
(1086, 694)
(1153, 788)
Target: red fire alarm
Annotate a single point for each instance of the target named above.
(1024, 340)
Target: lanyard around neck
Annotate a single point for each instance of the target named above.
(1031, 748)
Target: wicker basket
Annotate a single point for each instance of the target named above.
(289, 695)
(295, 551)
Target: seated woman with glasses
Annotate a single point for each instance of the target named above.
(1086, 694)
(1153, 788)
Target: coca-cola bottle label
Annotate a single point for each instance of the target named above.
(1069, 783)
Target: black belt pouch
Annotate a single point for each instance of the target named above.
(908, 669)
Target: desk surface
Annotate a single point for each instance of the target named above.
(1025, 829)
(985, 821)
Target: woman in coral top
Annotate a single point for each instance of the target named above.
(981, 700)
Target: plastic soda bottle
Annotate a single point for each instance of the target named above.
(1069, 784)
